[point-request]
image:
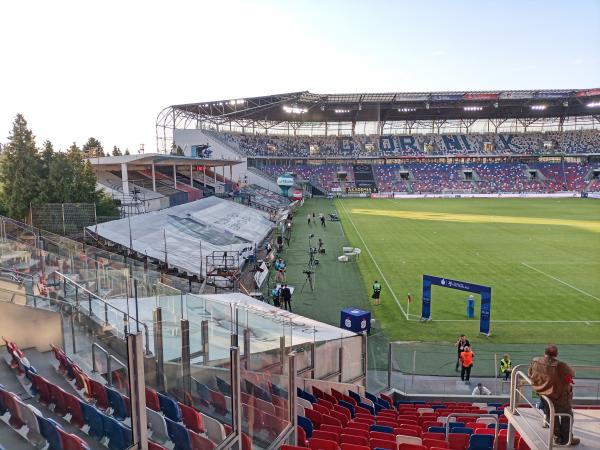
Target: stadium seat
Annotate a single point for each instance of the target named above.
(29, 415)
(292, 447)
(119, 436)
(458, 441)
(381, 443)
(179, 435)
(402, 439)
(327, 435)
(348, 446)
(315, 417)
(213, 429)
(49, 430)
(158, 426)
(223, 386)
(435, 443)
(73, 405)
(192, 419)
(99, 394)
(411, 447)
(437, 430)
(155, 446)
(93, 418)
(481, 442)
(320, 408)
(71, 441)
(301, 437)
(356, 431)
(117, 402)
(200, 442)
(306, 425)
(169, 407)
(353, 439)
(322, 444)
(430, 435)
(343, 418)
(381, 435)
(348, 406)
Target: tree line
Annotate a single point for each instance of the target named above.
(32, 175)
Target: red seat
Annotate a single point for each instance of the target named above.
(405, 446)
(71, 441)
(330, 420)
(364, 420)
(152, 401)
(387, 398)
(521, 444)
(406, 426)
(327, 435)
(354, 447)
(342, 410)
(217, 399)
(340, 416)
(317, 392)
(155, 446)
(382, 435)
(332, 429)
(489, 431)
(361, 410)
(337, 394)
(322, 444)
(407, 421)
(359, 426)
(458, 441)
(320, 408)
(381, 443)
(330, 398)
(352, 439)
(280, 402)
(273, 425)
(99, 393)
(387, 423)
(429, 435)
(74, 408)
(300, 437)
(408, 432)
(42, 387)
(327, 404)
(435, 443)
(10, 402)
(57, 396)
(315, 417)
(292, 447)
(501, 441)
(200, 442)
(356, 432)
(192, 419)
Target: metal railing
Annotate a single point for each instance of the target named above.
(517, 381)
(107, 306)
(491, 416)
(109, 358)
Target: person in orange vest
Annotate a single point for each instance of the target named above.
(466, 359)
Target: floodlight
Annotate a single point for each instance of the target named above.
(341, 111)
(473, 108)
(538, 107)
(294, 109)
(407, 110)
(593, 105)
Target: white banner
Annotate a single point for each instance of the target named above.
(498, 195)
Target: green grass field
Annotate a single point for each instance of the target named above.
(540, 256)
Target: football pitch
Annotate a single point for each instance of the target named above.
(541, 258)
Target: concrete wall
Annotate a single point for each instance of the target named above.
(12, 292)
(30, 327)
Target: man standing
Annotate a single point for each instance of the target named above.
(376, 293)
(466, 359)
(308, 217)
(286, 296)
(322, 217)
(505, 367)
(460, 345)
(480, 389)
(554, 379)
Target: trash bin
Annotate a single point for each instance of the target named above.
(470, 307)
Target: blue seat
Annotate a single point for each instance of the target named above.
(354, 396)
(498, 412)
(381, 428)
(481, 442)
(462, 430)
(224, 386)
(456, 425)
(503, 426)
(93, 418)
(306, 425)
(203, 391)
(262, 394)
(495, 405)
(369, 407)
(437, 430)
(117, 403)
(305, 395)
(349, 406)
(278, 391)
(403, 402)
(436, 407)
(179, 435)
(120, 437)
(49, 430)
(169, 407)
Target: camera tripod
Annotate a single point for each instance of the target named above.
(309, 279)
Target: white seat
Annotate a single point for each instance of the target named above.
(304, 402)
(214, 429)
(425, 410)
(158, 426)
(299, 410)
(401, 439)
(29, 417)
(479, 405)
(486, 420)
(366, 401)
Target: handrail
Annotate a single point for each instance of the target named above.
(516, 375)
(109, 357)
(492, 416)
(126, 316)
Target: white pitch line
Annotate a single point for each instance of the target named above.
(375, 262)
(561, 281)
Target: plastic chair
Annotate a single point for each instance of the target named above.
(301, 437)
(117, 403)
(380, 443)
(191, 418)
(463, 430)
(200, 442)
(481, 442)
(179, 435)
(155, 446)
(93, 418)
(435, 443)
(382, 429)
(354, 440)
(158, 426)
(458, 441)
(402, 439)
(430, 435)
(437, 430)
(315, 417)
(306, 425)
(169, 407)
(327, 435)
(356, 432)
(120, 437)
(71, 441)
(380, 435)
(29, 415)
(322, 444)
(292, 447)
(99, 394)
(412, 447)
(354, 447)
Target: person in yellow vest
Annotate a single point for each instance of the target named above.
(505, 367)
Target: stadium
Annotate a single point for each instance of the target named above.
(169, 327)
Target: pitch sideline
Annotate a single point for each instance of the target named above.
(374, 261)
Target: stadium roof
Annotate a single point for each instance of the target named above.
(110, 162)
(396, 106)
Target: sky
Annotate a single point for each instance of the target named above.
(77, 69)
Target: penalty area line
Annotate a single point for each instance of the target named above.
(561, 281)
(374, 262)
